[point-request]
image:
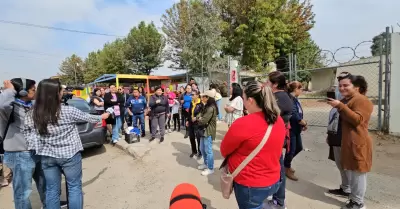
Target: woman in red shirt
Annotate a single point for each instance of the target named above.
(261, 177)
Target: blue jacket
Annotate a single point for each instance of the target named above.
(187, 99)
(297, 116)
(137, 106)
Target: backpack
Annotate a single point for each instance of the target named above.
(10, 120)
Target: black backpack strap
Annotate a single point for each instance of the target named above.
(182, 197)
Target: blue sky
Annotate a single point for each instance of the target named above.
(37, 53)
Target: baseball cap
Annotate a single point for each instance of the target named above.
(209, 93)
(185, 196)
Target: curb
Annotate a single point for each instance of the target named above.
(124, 146)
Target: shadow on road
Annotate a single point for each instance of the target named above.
(311, 191)
(35, 199)
(90, 152)
(184, 152)
(207, 202)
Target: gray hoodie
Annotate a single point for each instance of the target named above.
(15, 140)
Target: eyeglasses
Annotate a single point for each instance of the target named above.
(119, 89)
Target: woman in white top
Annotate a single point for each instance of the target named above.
(234, 109)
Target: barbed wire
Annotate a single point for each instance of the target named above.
(327, 57)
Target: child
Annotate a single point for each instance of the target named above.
(175, 114)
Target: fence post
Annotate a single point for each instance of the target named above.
(387, 83)
(229, 75)
(380, 84)
(290, 66)
(295, 67)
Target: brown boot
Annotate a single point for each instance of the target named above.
(290, 175)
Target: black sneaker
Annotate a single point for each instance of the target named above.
(152, 139)
(199, 156)
(161, 139)
(174, 130)
(143, 135)
(353, 205)
(339, 192)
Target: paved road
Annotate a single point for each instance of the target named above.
(114, 180)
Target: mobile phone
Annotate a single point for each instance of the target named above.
(331, 95)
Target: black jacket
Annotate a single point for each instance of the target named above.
(197, 109)
(108, 103)
(158, 108)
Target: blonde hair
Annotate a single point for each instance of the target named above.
(264, 98)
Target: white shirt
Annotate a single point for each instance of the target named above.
(175, 107)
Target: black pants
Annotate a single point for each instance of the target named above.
(185, 117)
(177, 122)
(194, 138)
(296, 146)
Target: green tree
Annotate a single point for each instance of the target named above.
(375, 47)
(177, 28)
(111, 60)
(92, 67)
(144, 45)
(259, 31)
(71, 70)
(194, 34)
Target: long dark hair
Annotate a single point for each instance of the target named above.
(210, 102)
(237, 91)
(278, 78)
(360, 82)
(46, 109)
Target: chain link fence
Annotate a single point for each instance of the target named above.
(317, 82)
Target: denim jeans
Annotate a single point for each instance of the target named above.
(253, 197)
(115, 128)
(207, 151)
(72, 169)
(296, 146)
(25, 166)
(219, 109)
(135, 119)
(279, 196)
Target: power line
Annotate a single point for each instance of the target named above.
(28, 51)
(25, 57)
(56, 28)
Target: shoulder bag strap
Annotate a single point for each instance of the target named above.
(253, 153)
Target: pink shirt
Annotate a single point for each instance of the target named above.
(171, 96)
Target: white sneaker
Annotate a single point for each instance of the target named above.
(207, 172)
(201, 167)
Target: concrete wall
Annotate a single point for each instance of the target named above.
(321, 79)
(394, 120)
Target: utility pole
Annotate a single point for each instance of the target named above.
(75, 66)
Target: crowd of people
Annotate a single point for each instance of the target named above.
(40, 140)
